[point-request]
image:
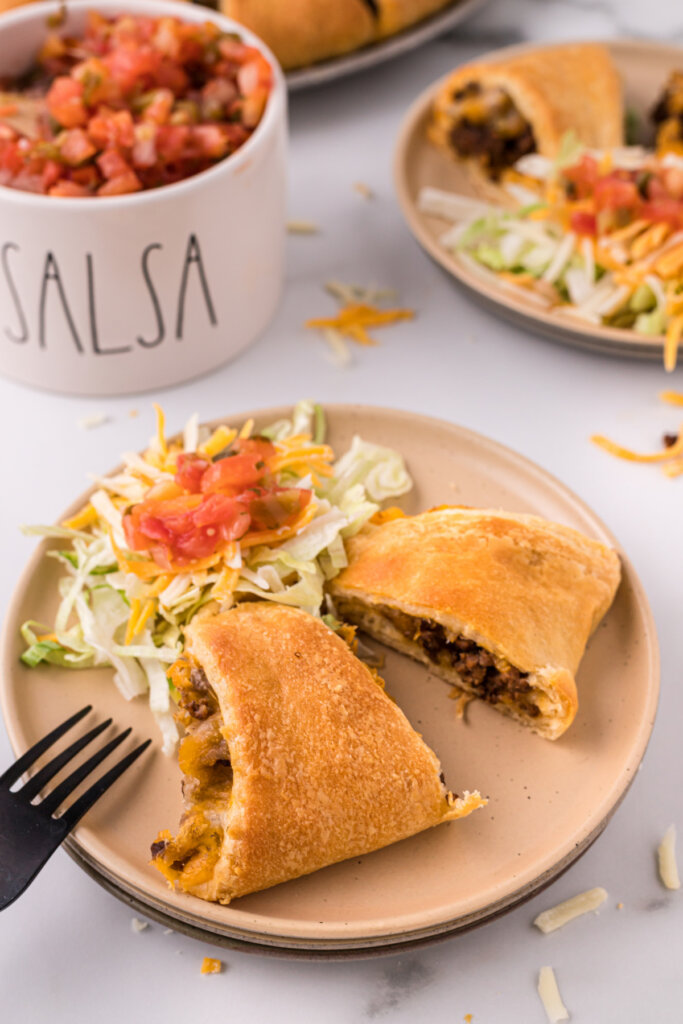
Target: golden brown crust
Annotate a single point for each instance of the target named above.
(529, 591)
(301, 32)
(396, 15)
(555, 88)
(325, 766)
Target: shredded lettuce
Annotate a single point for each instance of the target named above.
(381, 471)
(96, 596)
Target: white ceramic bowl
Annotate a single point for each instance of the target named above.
(114, 295)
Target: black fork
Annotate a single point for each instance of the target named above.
(29, 832)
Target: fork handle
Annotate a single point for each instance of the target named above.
(25, 848)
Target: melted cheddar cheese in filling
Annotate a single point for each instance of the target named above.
(204, 758)
(487, 125)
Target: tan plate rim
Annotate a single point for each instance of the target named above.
(291, 934)
(609, 340)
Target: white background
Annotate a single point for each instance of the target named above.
(67, 951)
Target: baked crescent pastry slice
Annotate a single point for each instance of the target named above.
(301, 32)
(294, 757)
(494, 112)
(499, 604)
(395, 15)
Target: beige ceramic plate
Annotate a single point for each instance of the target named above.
(644, 69)
(548, 801)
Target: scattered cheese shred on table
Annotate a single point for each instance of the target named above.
(363, 190)
(550, 996)
(563, 913)
(666, 859)
(302, 227)
(670, 458)
(672, 397)
(673, 451)
(137, 925)
(353, 320)
(359, 311)
(211, 966)
(96, 419)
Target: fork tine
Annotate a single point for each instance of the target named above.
(52, 801)
(41, 778)
(73, 815)
(16, 770)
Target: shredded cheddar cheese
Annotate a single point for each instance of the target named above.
(556, 917)
(385, 515)
(672, 340)
(211, 966)
(220, 439)
(86, 517)
(354, 319)
(667, 454)
(161, 425)
(550, 996)
(666, 860)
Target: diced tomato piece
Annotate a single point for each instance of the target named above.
(167, 39)
(160, 107)
(122, 185)
(583, 176)
(234, 473)
(68, 188)
(615, 193)
(583, 223)
(112, 164)
(185, 528)
(75, 147)
(210, 140)
(87, 176)
(132, 68)
(65, 102)
(189, 472)
(52, 172)
(668, 211)
(279, 506)
(233, 49)
(245, 466)
(253, 106)
(255, 75)
(172, 76)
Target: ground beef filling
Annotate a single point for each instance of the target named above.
(488, 127)
(491, 680)
(667, 115)
(204, 759)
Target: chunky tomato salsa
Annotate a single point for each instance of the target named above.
(136, 103)
(213, 502)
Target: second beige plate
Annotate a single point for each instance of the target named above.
(644, 69)
(548, 801)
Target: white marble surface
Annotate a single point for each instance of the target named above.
(67, 951)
